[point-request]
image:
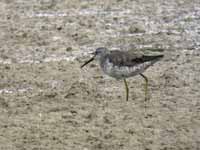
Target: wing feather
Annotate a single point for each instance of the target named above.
(120, 58)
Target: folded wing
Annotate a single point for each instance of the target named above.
(129, 59)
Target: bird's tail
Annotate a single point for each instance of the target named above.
(154, 57)
(146, 58)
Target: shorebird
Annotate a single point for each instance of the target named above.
(124, 64)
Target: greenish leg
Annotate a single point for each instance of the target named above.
(146, 86)
(127, 90)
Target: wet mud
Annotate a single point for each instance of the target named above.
(48, 102)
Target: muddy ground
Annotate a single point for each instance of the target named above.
(48, 103)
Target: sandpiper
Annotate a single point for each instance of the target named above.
(124, 64)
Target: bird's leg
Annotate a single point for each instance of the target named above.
(146, 86)
(127, 89)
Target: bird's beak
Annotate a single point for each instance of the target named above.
(90, 60)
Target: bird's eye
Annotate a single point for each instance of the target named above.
(97, 52)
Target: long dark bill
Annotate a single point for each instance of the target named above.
(87, 62)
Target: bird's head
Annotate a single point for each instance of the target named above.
(99, 52)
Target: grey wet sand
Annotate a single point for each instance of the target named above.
(48, 102)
